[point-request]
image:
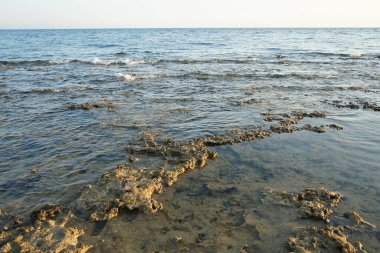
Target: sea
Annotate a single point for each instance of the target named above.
(185, 84)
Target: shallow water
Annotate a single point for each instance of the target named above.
(187, 83)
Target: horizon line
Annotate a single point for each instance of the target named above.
(153, 28)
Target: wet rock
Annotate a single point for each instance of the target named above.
(247, 102)
(286, 125)
(358, 221)
(315, 114)
(47, 91)
(191, 154)
(289, 123)
(272, 117)
(316, 129)
(329, 239)
(126, 187)
(46, 212)
(123, 187)
(356, 105)
(236, 136)
(312, 202)
(131, 188)
(250, 91)
(9, 220)
(89, 105)
(133, 159)
(341, 104)
(120, 54)
(373, 106)
(284, 128)
(335, 126)
(34, 171)
(49, 232)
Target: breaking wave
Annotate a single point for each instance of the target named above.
(126, 77)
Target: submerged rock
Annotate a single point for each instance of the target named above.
(312, 202)
(317, 129)
(272, 117)
(329, 239)
(133, 159)
(315, 114)
(337, 127)
(236, 136)
(289, 123)
(358, 221)
(341, 104)
(120, 54)
(89, 105)
(373, 106)
(131, 188)
(317, 203)
(356, 105)
(46, 212)
(247, 102)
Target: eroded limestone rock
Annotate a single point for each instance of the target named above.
(289, 123)
(329, 239)
(315, 114)
(236, 136)
(356, 105)
(358, 221)
(47, 231)
(317, 129)
(312, 202)
(123, 187)
(337, 127)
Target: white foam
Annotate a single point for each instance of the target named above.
(356, 55)
(97, 61)
(126, 77)
(132, 62)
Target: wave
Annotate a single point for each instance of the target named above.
(58, 90)
(199, 75)
(126, 77)
(97, 61)
(207, 61)
(304, 76)
(25, 62)
(205, 76)
(119, 61)
(352, 55)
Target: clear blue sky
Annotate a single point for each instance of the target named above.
(188, 13)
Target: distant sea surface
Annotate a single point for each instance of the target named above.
(185, 84)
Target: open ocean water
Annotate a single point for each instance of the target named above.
(71, 101)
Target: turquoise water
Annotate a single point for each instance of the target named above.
(184, 84)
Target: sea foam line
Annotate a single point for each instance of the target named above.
(126, 77)
(98, 61)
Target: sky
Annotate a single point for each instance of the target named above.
(187, 13)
